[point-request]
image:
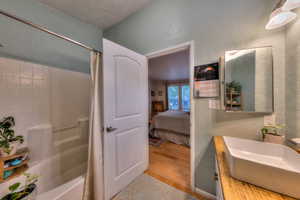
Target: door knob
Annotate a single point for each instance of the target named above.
(110, 129)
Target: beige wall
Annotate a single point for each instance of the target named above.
(51, 108)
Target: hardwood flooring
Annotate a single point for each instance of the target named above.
(170, 163)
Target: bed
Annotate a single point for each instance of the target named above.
(173, 126)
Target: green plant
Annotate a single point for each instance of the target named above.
(271, 129)
(7, 134)
(17, 191)
(234, 85)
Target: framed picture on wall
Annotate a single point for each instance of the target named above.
(206, 81)
(152, 93)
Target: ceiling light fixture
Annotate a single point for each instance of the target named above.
(291, 4)
(282, 16)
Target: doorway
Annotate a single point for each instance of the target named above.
(171, 116)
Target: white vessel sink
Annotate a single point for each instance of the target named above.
(271, 166)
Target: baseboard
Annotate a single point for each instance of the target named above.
(205, 194)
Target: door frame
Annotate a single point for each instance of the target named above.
(173, 49)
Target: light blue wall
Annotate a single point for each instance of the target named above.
(23, 42)
(293, 79)
(215, 26)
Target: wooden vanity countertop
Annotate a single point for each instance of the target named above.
(238, 190)
(296, 149)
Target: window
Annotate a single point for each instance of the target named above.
(173, 97)
(185, 97)
(179, 97)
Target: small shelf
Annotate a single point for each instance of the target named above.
(18, 169)
(19, 165)
(21, 152)
(233, 93)
(234, 104)
(234, 101)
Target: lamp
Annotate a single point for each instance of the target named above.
(279, 18)
(291, 4)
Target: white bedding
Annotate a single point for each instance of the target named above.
(174, 121)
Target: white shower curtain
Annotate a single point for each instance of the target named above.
(94, 181)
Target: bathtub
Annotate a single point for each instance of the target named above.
(71, 190)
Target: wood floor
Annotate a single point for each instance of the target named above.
(170, 163)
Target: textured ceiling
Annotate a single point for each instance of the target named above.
(102, 13)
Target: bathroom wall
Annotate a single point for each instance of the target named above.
(51, 108)
(23, 42)
(293, 79)
(215, 26)
(263, 79)
(245, 125)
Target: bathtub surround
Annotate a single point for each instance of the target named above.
(54, 141)
(54, 129)
(23, 42)
(94, 181)
(164, 24)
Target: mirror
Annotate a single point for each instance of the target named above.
(248, 84)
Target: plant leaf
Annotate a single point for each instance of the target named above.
(14, 187)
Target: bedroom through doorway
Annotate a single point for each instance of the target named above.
(170, 124)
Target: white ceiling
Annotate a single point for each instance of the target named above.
(170, 67)
(102, 13)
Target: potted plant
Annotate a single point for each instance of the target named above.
(233, 86)
(270, 133)
(28, 191)
(8, 141)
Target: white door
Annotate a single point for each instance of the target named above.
(125, 116)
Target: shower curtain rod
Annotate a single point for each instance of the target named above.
(43, 29)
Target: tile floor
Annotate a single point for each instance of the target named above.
(146, 187)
